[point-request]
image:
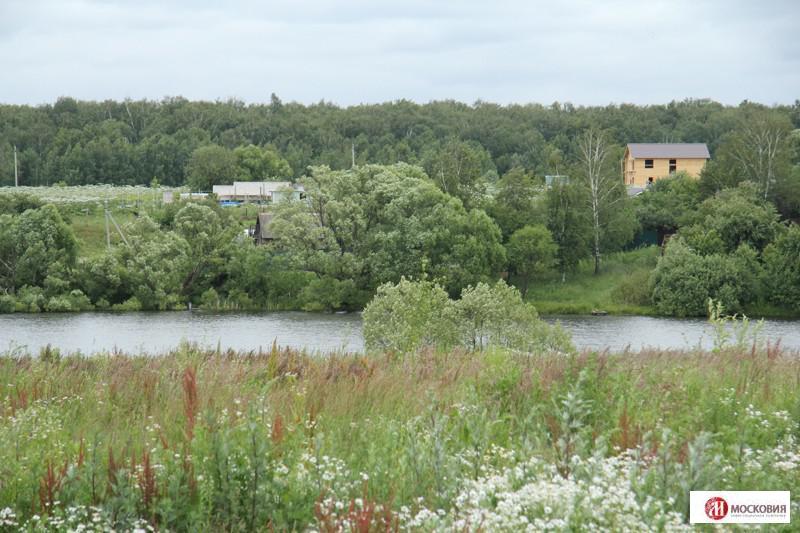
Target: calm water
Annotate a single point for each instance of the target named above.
(156, 332)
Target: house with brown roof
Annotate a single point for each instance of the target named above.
(645, 163)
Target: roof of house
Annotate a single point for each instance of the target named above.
(254, 188)
(265, 232)
(669, 150)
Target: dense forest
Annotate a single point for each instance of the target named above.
(444, 191)
(135, 142)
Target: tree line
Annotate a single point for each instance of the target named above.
(136, 142)
(457, 211)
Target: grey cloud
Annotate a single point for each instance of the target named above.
(583, 51)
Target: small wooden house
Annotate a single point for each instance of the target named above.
(263, 233)
(645, 163)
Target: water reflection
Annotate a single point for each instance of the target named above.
(156, 332)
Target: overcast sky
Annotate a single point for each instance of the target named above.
(349, 52)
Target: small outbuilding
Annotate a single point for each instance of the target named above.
(262, 232)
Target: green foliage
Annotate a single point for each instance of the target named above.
(569, 225)
(156, 264)
(192, 440)
(413, 315)
(782, 266)
(132, 142)
(684, 280)
(260, 164)
(207, 239)
(667, 203)
(531, 251)
(737, 216)
(496, 315)
(461, 169)
(634, 289)
(32, 245)
(515, 204)
(210, 165)
(17, 203)
(374, 224)
(8, 303)
(408, 316)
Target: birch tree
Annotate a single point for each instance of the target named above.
(759, 146)
(604, 187)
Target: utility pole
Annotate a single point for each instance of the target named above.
(353, 149)
(108, 233)
(16, 169)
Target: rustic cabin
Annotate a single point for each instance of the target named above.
(645, 163)
(262, 232)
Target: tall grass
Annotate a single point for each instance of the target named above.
(209, 440)
(620, 288)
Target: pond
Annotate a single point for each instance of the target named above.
(153, 333)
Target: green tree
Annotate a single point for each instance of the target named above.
(208, 241)
(255, 163)
(684, 280)
(210, 165)
(612, 220)
(665, 206)
(41, 242)
(737, 216)
(408, 316)
(782, 266)
(376, 223)
(461, 169)
(412, 315)
(569, 225)
(531, 251)
(515, 203)
(156, 264)
(496, 315)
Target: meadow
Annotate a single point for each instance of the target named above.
(202, 440)
(620, 288)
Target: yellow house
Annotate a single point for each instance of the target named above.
(645, 163)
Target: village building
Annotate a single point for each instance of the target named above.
(262, 232)
(646, 163)
(259, 191)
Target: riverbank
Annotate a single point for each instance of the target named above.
(621, 288)
(277, 439)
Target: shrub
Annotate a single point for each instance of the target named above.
(59, 304)
(782, 268)
(634, 289)
(326, 294)
(684, 280)
(210, 299)
(131, 304)
(8, 303)
(412, 315)
(408, 316)
(30, 299)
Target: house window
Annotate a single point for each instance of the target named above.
(648, 163)
(673, 166)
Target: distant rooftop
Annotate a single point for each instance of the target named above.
(669, 150)
(253, 188)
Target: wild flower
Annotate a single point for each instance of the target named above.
(534, 496)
